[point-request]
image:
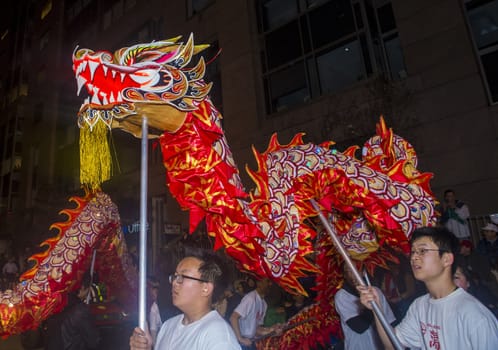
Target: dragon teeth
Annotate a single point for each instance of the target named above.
(81, 81)
(81, 67)
(95, 100)
(105, 101)
(93, 66)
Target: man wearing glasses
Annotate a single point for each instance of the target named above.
(447, 317)
(197, 281)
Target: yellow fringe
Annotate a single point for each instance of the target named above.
(95, 156)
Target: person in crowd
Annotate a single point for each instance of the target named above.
(275, 314)
(357, 322)
(488, 245)
(199, 279)
(241, 288)
(73, 328)
(248, 317)
(10, 271)
(221, 306)
(24, 263)
(470, 283)
(454, 215)
(446, 317)
(478, 265)
(251, 283)
(155, 321)
(233, 299)
(297, 303)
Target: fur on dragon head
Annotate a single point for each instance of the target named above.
(373, 202)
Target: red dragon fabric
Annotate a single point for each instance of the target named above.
(373, 202)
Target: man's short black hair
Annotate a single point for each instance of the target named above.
(213, 269)
(442, 237)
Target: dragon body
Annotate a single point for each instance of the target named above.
(42, 291)
(373, 202)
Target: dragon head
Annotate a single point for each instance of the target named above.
(139, 81)
(145, 80)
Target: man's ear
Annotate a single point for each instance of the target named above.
(448, 259)
(207, 289)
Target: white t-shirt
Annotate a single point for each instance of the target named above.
(461, 230)
(211, 332)
(252, 310)
(348, 306)
(457, 321)
(154, 317)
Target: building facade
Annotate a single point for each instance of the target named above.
(328, 68)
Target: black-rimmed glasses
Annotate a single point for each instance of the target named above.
(423, 251)
(178, 278)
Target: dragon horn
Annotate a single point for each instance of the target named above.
(187, 51)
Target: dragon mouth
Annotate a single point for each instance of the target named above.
(106, 84)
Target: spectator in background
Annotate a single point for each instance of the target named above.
(465, 279)
(74, 327)
(357, 322)
(488, 246)
(248, 317)
(155, 321)
(477, 264)
(10, 272)
(298, 303)
(24, 263)
(454, 215)
(276, 310)
(241, 288)
(233, 300)
(251, 283)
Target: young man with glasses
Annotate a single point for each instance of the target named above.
(197, 281)
(447, 317)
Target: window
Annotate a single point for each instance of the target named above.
(311, 48)
(341, 66)
(287, 87)
(483, 22)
